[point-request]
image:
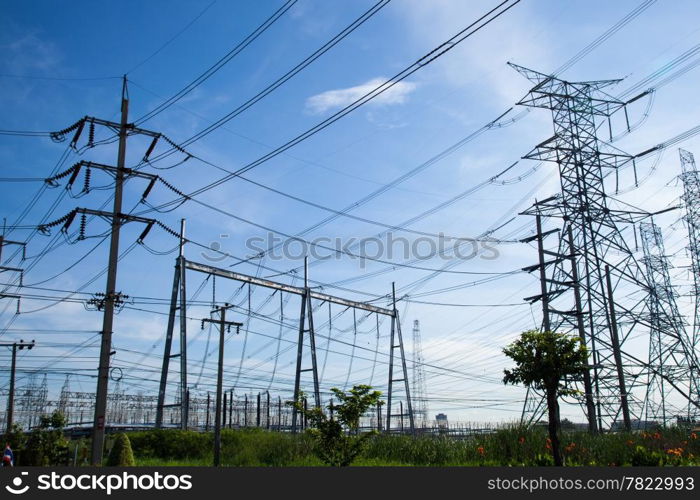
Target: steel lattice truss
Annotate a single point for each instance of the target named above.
(691, 198)
(592, 284)
(670, 352)
(418, 386)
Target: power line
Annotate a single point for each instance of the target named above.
(220, 63)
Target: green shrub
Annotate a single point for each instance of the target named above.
(46, 444)
(121, 454)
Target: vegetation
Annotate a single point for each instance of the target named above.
(121, 454)
(17, 440)
(510, 446)
(46, 444)
(543, 360)
(338, 441)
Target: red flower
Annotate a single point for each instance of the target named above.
(521, 439)
(481, 450)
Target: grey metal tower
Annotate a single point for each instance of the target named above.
(591, 283)
(691, 198)
(418, 386)
(668, 343)
(583, 298)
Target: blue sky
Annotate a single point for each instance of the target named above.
(61, 62)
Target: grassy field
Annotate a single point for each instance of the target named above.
(510, 447)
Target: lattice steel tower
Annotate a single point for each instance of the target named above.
(691, 198)
(668, 344)
(418, 386)
(593, 261)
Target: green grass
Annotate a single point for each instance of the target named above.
(510, 446)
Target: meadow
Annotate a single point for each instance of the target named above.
(512, 446)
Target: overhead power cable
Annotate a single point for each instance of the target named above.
(219, 64)
(427, 59)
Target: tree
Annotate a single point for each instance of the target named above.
(17, 440)
(337, 434)
(46, 444)
(121, 454)
(543, 361)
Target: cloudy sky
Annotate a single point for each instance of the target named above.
(59, 63)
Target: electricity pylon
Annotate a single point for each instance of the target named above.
(418, 387)
(583, 299)
(669, 344)
(691, 198)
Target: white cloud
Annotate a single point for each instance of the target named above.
(339, 98)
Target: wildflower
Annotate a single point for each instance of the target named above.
(657, 435)
(675, 451)
(481, 450)
(693, 435)
(521, 439)
(570, 448)
(630, 442)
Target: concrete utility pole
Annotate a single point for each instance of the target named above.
(223, 327)
(178, 291)
(98, 432)
(11, 397)
(614, 336)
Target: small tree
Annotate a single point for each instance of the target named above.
(17, 440)
(337, 436)
(46, 444)
(543, 360)
(121, 454)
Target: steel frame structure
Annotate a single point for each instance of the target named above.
(583, 279)
(306, 330)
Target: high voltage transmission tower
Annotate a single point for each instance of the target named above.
(691, 199)
(418, 387)
(584, 281)
(669, 343)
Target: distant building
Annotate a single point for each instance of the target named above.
(636, 425)
(441, 420)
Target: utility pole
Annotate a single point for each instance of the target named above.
(178, 302)
(98, 433)
(206, 426)
(224, 326)
(230, 409)
(614, 337)
(593, 423)
(11, 397)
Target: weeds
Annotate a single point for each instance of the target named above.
(511, 446)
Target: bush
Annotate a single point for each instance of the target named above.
(46, 444)
(17, 440)
(121, 454)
